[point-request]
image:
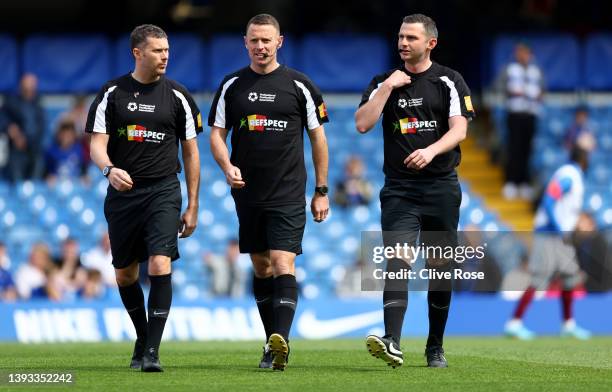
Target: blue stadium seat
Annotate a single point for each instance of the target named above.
(187, 64)
(597, 62)
(329, 60)
(604, 141)
(229, 55)
(66, 63)
(10, 67)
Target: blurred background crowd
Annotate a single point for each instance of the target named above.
(540, 81)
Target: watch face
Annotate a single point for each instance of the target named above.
(322, 190)
(105, 171)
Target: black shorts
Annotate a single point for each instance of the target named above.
(144, 221)
(426, 206)
(276, 228)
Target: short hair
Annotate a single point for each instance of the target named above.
(264, 19)
(94, 274)
(66, 125)
(428, 23)
(140, 34)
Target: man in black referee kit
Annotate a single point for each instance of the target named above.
(425, 109)
(136, 123)
(267, 106)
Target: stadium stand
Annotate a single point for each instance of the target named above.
(8, 58)
(330, 60)
(51, 214)
(67, 63)
(33, 211)
(597, 59)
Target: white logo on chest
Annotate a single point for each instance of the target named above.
(402, 102)
(261, 97)
(132, 106)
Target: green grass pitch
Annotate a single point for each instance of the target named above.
(475, 364)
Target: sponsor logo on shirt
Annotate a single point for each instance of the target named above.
(146, 108)
(411, 125)
(322, 110)
(132, 106)
(261, 97)
(260, 123)
(402, 102)
(138, 133)
(468, 103)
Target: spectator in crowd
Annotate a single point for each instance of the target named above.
(593, 255)
(71, 271)
(65, 157)
(78, 115)
(553, 255)
(5, 261)
(580, 132)
(487, 264)
(227, 277)
(55, 287)
(25, 131)
(94, 287)
(101, 259)
(517, 280)
(8, 292)
(33, 274)
(350, 286)
(354, 189)
(523, 83)
(4, 144)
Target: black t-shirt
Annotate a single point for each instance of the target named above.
(267, 115)
(416, 116)
(145, 123)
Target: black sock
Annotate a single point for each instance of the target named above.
(285, 302)
(395, 300)
(133, 300)
(263, 290)
(160, 299)
(438, 303)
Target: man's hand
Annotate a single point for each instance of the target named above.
(234, 178)
(319, 206)
(120, 179)
(17, 137)
(419, 158)
(189, 221)
(398, 79)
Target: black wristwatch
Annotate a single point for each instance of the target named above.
(322, 190)
(106, 170)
